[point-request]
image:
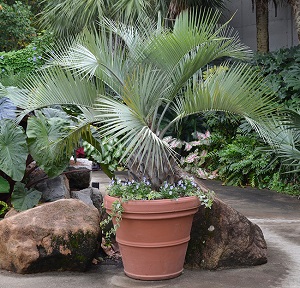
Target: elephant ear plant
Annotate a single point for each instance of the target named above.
(126, 78)
(22, 144)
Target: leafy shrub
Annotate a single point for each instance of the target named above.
(243, 163)
(282, 72)
(15, 23)
(15, 65)
(108, 156)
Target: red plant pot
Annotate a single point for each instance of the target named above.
(153, 236)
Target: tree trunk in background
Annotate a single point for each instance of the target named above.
(295, 4)
(262, 25)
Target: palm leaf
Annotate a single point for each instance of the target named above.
(54, 86)
(238, 91)
(71, 16)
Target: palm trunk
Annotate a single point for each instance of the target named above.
(170, 172)
(296, 12)
(175, 7)
(262, 25)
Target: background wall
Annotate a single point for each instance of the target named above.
(281, 28)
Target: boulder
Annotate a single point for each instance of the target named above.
(79, 173)
(61, 235)
(221, 237)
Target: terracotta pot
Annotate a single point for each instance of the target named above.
(153, 236)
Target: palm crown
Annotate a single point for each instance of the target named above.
(126, 79)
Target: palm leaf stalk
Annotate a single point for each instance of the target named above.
(125, 78)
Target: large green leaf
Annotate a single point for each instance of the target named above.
(13, 149)
(4, 185)
(43, 134)
(23, 199)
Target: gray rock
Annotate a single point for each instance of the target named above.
(54, 189)
(221, 237)
(97, 199)
(84, 195)
(79, 173)
(91, 196)
(61, 235)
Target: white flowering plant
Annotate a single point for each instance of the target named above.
(132, 190)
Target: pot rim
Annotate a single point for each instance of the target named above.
(155, 206)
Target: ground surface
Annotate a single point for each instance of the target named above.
(277, 215)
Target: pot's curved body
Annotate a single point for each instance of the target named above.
(153, 236)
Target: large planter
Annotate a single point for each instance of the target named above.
(153, 236)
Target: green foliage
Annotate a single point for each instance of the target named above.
(287, 184)
(4, 208)
(281, 70)
(243, 163)
(23, 199)
(4, 185)
(21, 62)
(42, 133)
(13, 149)
(110, 154)
(35, 5)
(15, 23)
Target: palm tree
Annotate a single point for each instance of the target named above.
(66, 17)
(126, 79)
(262, 20)
(262, 25)
(70, 16)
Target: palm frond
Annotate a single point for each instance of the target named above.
(142, 144)
(238, 91)
(54, 86)
(71, 16)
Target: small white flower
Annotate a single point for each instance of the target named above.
(170, 192)
(211, 228)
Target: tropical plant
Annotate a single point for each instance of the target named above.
(109, 156)
(61, 15)
(18, 149)
(243, 162)
(125, 78)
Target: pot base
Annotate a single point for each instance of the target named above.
(153, 277)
